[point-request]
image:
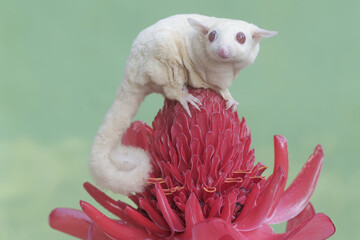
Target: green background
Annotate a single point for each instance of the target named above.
(61, 62)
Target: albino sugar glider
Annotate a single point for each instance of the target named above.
(194, 50)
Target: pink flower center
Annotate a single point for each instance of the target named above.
(207, 154)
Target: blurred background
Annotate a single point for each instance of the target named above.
(61, 62)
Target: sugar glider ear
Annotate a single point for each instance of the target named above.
(259, 33)
(198, 26)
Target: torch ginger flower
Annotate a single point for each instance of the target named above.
(204, 184)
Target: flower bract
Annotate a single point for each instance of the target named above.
(204, 184)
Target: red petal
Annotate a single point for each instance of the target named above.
(109, 203)
(281, 154)
(193, 211)
(115, 230)
(298, 194)
(95, 233)
(318, 227)
(193, 215)
(258, 214)
(170, 217)
(305, 214)
(281, 160)
(75, 223)
(183, 120)
(145, 222)
(153, 214)
(70, 221)
(250, 202)
(136, 135)
(216, 228)
(264, 232)
(215, 208)
(229, 207)
(244, 130)
(215, 122)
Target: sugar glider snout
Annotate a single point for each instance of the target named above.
(224, 51)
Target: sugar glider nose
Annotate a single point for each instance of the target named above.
(224, 51)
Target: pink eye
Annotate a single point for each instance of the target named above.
(212, 36)
(240, 37)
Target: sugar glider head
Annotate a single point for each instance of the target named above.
(229, 40)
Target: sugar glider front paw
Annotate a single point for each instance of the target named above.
(232, 104)
(182, 95)
(189, 98)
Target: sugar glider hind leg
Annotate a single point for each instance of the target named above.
(171, 78)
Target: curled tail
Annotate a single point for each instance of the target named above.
(121, 169)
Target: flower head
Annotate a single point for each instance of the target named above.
(204, 184)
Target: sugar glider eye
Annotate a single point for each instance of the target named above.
(240, 37)
(212, 36)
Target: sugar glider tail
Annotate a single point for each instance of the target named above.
(122, 169)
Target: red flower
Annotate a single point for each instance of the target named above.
(204, 184)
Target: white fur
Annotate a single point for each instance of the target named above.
(165, 58)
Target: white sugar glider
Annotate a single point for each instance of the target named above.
(186, 49)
